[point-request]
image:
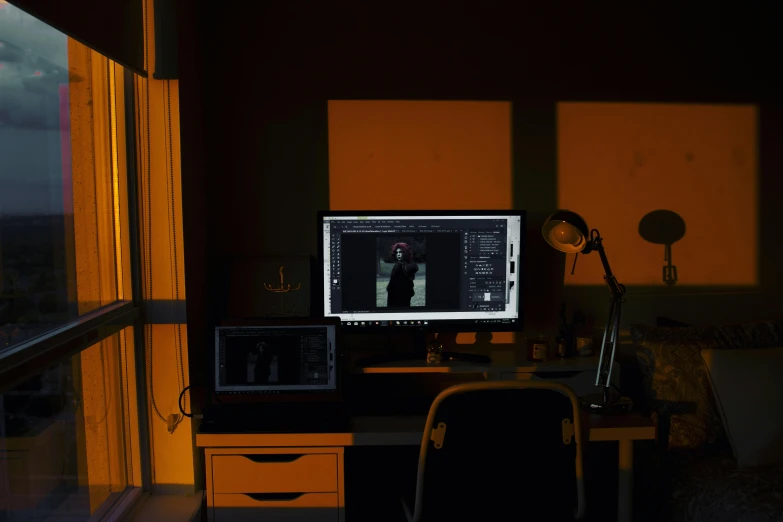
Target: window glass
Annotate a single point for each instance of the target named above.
(65, 435)
(58, 178)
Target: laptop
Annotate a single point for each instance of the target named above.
(277, 376)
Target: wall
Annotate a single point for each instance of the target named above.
(619, 161)
(255, 145)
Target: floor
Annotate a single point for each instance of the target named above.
(168, 508)
(394, 469)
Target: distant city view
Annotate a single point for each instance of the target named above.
(37, 257)
(35, 276)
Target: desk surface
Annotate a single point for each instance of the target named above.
(503, 361)
(407, 431)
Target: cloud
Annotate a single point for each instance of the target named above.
(26, 100)
(33, 65)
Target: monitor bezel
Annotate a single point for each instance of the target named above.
(458, 326)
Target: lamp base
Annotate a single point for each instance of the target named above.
(596, 403)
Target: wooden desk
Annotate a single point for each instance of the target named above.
(504, 360)
(365, 431)
(508, 364)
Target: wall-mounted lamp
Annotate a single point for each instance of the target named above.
(567, 232)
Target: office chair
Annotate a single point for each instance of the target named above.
(501, 451)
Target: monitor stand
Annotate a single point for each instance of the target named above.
(419, 353)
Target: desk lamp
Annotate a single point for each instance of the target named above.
(567, 232)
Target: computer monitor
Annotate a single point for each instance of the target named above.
(279, 360)
(431, 270)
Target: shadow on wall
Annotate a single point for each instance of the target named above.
(621, 164)
(639, 172)
(663, 227)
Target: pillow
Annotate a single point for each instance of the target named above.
(748, 389)
(677, 385)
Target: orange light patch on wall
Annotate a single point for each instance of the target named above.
(620, 161)
(166, 345)
(408, 155)
(421, 155)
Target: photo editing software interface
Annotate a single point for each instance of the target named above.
(422, 271)
(275, 359)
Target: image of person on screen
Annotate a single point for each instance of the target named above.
(400, 288)
(263, 367)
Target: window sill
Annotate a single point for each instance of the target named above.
(173, 508)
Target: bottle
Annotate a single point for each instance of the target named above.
(434, 352)
(561, 347)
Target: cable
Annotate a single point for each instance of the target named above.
(179, 402)
(148, 247)
(176, 420)
(182, 394)
(147, 226)
(173, 261)
(145, 201)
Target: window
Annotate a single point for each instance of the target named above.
(67, 444)
(70, 443)
(62, 216)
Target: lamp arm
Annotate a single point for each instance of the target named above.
(617, 290)
(612, 331)
(609, 346)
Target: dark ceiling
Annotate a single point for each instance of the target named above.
(606, 50)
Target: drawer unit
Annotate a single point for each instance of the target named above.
(307, 507)
(275, 473)
(274, 484)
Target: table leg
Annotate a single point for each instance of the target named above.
(625, 482)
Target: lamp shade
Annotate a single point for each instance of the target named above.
(566, 231)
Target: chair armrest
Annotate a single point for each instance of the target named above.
(406, 509)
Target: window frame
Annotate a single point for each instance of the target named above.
(24, 360)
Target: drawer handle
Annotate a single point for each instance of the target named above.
(280, 497)
(273, 457)
(556, 375)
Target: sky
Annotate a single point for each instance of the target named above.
(33, 63)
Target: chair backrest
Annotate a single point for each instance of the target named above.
(501, 451)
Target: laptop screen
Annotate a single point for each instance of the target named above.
(293, 359)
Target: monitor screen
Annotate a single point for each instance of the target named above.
(275, 359)
(447, 270)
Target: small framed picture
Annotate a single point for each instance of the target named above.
(269, 287)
